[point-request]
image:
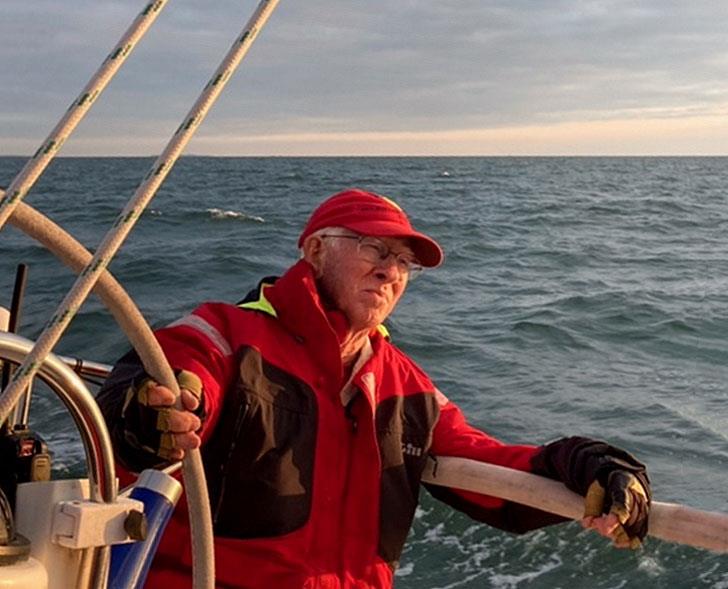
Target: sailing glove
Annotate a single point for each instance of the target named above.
(610, 479)
(147, 428)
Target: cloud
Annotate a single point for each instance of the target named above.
(347, 66)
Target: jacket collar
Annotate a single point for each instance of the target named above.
(257, 299)
(299, 308)
(295, 301)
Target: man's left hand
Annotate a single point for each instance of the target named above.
(618, 512)
(614, 484)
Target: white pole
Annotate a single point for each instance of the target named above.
(668, 521)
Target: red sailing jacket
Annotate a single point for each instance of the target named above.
(307, 492)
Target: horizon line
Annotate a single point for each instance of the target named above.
(372, 156)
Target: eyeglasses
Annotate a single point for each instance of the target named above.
(375, 251)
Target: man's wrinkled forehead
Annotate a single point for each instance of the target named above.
(396, 244)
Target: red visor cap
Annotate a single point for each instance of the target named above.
(370, 214)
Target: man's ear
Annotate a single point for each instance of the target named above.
(314, 252)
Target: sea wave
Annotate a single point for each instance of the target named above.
(223, 214)
(579, 296)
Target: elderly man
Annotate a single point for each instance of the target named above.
(315, 428)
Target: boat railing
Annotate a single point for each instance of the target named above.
(82, 407)
(59, 375)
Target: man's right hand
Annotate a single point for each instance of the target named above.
(178, 426)
(152, 423)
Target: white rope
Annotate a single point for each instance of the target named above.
(32, 170)
(193, 472)
(117, 301)
(134, 208)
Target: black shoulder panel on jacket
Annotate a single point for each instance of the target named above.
(404, 427)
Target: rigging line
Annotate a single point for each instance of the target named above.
(193, 472)
(112, 294)
(136, 205)
(23, 182)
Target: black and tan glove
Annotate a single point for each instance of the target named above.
(146, 427)
(610, 479)
(625, 497)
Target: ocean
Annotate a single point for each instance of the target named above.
(580, 296)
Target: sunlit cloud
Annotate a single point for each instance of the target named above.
(654, 136)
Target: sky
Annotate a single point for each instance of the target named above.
(375, 77)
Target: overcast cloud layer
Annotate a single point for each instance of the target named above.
(353, 77)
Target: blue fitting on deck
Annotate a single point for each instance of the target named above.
(130, 562)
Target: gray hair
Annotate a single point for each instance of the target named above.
(327, 231)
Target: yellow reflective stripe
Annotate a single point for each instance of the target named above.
(383, 331)
(262, 304)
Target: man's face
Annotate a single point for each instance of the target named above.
(366, 292)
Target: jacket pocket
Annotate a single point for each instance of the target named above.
(265, 479)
